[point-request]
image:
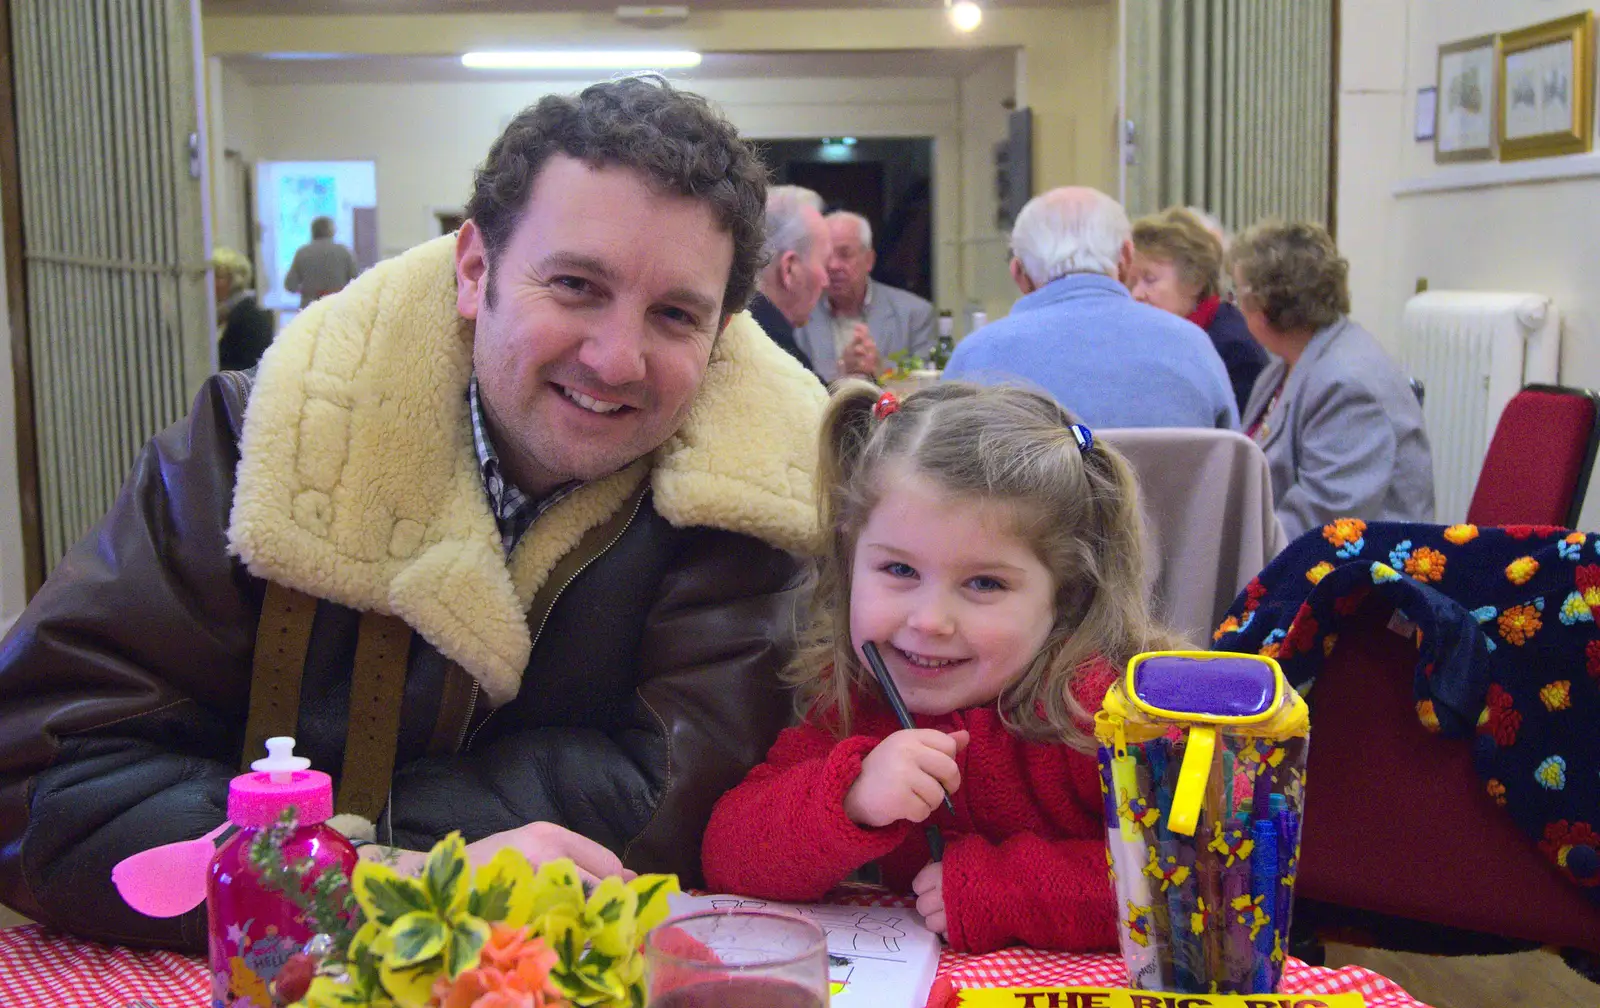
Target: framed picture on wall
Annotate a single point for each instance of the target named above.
(1465, 126)
(1546, 89)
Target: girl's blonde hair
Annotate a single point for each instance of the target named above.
(1078, 510)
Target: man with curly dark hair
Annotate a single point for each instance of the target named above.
(502, 533)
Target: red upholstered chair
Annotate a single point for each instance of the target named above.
(1538, 464)
(1398, 823)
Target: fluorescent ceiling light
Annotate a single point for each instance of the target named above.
(583, 59)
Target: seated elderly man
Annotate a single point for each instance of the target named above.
(861, 322)
(795, 250)
(1080, 336)
(500, 533)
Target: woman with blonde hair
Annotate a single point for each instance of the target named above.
(244, 328)
(1177, 266)
(990, 549)
(1340, 426)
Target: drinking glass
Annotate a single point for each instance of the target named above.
(737, 959)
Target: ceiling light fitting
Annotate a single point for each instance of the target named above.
(583, 59)
(966, 15)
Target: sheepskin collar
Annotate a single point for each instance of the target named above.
(358, 482)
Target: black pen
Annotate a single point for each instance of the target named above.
(875, 662)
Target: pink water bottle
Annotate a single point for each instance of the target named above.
(254, 930)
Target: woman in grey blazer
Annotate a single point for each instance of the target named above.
(1337, 420)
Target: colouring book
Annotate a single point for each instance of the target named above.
(878, 957)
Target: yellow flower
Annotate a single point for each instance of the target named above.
(1497, 791)
(1519, 623)
(1461, 534)
(1425, 714)
(1425, 564)
(1320, 571)
(1521, 569)
(1557, 695)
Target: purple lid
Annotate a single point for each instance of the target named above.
(1224, 686)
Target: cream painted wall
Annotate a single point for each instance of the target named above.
(1535, 236)
(13, 579)
(1073, 50)
(427, 138)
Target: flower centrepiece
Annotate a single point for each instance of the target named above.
(506, 935)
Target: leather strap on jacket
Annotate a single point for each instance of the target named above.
(378, 676)
(283, 636)
(377, 686)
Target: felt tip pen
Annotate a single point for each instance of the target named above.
(898, 705)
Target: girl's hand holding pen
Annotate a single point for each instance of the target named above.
(906, 776)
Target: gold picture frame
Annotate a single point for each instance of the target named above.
(1544, 89)
(1465, 119)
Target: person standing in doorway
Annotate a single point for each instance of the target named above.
(322, 266)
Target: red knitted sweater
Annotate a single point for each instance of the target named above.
(1025, 853)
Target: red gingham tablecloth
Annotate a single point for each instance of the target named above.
(44, 968)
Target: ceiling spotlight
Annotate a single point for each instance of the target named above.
(966, 15)
(577, 59)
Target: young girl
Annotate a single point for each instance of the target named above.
(991, 551)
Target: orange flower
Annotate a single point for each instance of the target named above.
(1461, 534)
(514, 972)
(1229, 625)
(1519, 623)
(1425, 714)
(1521, 569)
(1344, 531)
(1425, 564)
(1497, 791)
(1320, 571)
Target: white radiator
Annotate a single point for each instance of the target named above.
(1473, 351)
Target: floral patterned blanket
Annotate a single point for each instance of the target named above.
(1508, 652)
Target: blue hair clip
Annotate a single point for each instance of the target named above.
(1083, 435)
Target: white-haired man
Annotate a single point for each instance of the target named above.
(1078, 334)
(861, 322)
(796, 272)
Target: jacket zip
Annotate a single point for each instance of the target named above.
(472, 703)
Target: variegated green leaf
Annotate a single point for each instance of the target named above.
(445, 876)
(652, 892)
(384, 895)
(503, 889)
(467, 939)
(417, 936)
(556, 886)
(412, 986)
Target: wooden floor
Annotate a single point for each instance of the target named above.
(1524, 980)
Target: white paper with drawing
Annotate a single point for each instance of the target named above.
(878, 957)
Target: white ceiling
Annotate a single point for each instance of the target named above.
(354, 69)
(227, 7)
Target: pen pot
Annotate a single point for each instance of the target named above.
(1202, 763)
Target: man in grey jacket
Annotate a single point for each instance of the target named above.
(860, 322)
(321, 267)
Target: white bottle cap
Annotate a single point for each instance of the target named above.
(280, 760)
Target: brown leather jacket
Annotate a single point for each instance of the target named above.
(651, 689)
